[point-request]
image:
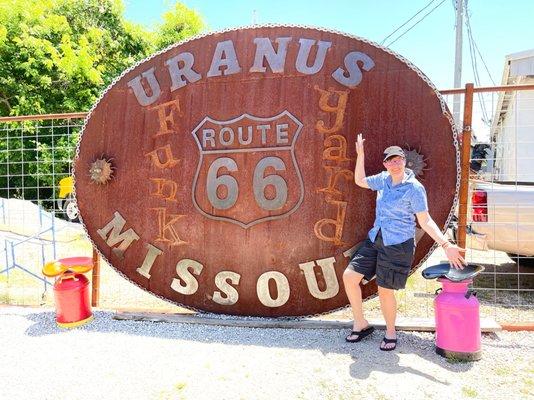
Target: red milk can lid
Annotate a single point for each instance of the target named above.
(71, 282)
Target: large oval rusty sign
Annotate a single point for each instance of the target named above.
(218, 174)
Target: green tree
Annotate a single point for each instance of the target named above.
(57, 56)
(178, 24)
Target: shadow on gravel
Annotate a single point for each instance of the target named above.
(366, 355)
(389, 362)
(389, 365)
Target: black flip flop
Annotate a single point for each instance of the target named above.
(388, 341)
(361, 334)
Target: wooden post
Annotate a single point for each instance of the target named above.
(95, 295)
(465, 159)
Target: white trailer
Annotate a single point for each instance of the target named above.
(512, 131)
(502, 207)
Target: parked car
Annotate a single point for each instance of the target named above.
(66, 201)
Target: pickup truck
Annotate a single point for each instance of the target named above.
(501, 217)
(501, 205)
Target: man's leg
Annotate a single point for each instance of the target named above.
(388, 305)
(393, 267)
(362, 265)
(351, 280)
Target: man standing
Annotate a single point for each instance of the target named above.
(389, 249)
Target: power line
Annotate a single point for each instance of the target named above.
(484, 62)
(473, 49)
(413, 16)
(474, 67)
(413, 26)
(472, 39)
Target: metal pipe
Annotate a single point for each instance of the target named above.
(81, 115)
(458, 61)
(41, 117)
(505, 88)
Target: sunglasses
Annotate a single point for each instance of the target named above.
(394, 161)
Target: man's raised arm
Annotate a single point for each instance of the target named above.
(359, 169)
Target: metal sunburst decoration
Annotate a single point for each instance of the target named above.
(101, 170)
(415, 161)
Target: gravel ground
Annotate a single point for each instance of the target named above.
(110, 359)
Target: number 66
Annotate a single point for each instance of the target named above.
(260, 182)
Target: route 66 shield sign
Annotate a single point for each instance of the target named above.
(247, 149)
(218, 174)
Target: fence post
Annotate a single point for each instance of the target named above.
(465, 158)
(95, 294)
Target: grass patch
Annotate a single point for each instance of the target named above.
(502, 371)
(528, 385)
(454, 360)
(469, 392)
(324, 384)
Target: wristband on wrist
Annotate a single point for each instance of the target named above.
(445, 244)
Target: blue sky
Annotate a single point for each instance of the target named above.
(499, 27)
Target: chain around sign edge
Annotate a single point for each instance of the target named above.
(408, 63)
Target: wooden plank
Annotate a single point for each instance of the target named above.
(404, 324)
(95, 293)
(518, 326)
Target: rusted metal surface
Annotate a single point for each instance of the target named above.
(466, 157)
(232, 156)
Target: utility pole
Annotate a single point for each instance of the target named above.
(458, 61)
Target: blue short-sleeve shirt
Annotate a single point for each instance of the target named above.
(396, 206)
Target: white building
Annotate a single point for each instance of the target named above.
(512, 131)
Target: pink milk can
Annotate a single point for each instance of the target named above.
(457, 321)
